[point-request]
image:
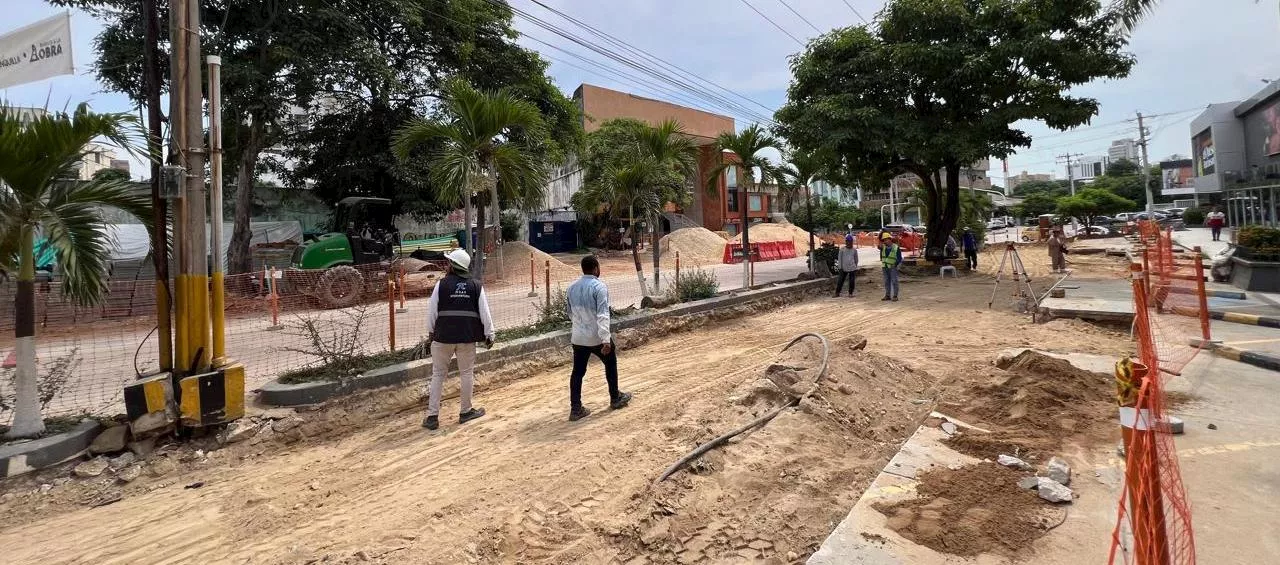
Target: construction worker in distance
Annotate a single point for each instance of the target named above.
(457, 318)
(890, 259)
(1058, 250)
(970, 244)
(848, 263)
(588, 305)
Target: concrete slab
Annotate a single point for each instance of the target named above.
(1102, 300)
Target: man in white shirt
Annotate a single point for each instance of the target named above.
(457, 318)
(588, 305)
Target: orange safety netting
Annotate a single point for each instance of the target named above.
(1153, 525)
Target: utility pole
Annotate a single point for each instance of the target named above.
(1071, 179)
(159, 205)
(1146, 169)
(193, 349)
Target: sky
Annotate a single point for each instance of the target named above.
(1190, 53)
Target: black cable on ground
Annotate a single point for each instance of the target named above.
(758, 422)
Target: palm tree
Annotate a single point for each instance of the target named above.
(746, 145)
(1132, 12)
(38, 163)
(800, 171)
(479, 153)
(673, 152)
(625, 186)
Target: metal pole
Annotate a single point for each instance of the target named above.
(181, 229)
(1146, 168)
(217, 306)
(159, 205)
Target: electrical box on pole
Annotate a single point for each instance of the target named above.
(171, 181)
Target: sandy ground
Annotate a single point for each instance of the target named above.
(359, 480)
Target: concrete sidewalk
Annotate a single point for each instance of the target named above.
(1202, 238)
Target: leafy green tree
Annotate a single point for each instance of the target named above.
(940, 84)
(480, 153)
(625, 186)
(1123, 167)
(622, 141)
(1091, 202)
(38, 164)
(111, 174)
(1052, 187)
(746, 146)
(1036, 204)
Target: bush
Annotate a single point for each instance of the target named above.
(1194, 216)
(1259, 239)
(824, 259)
(510, 226)
(695, 284)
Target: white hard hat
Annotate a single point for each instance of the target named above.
(459, 258)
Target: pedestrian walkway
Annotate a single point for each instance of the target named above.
(1202, 238)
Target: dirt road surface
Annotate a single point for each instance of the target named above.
(360, 481)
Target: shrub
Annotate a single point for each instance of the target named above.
(695, 284)
(1194, 216)
(825, 258)
(1258, 238)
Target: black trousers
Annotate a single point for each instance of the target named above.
(840, 282)
(582, 354)
(972, 256)
(1217, 232)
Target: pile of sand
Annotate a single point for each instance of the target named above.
(781, 232)
(972, 510)
(697, 245)
(1036, 405)
(511, 263)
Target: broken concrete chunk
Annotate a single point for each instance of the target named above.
(1029, 482)
(91, 468)
(143, 447)
(1011, 461)
(124, 460)
(130, 473)
(240, 431)
(949, 428)
(1058, 470)
(658, 532)
(286, 424)
(1053, 491)
(111, 440)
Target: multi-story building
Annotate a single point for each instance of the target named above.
(1014, 181)
(1235, 154)
(97, 157)
(1087, 168)
(1123, 149)
(720, 210)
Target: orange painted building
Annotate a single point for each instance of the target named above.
(717, 211)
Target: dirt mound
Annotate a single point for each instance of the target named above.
(778, 489)
(780, 232)
(971, 510)
(1034, 405)
(697, 246)
(511, 263)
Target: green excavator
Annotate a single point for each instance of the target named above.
(354, 258)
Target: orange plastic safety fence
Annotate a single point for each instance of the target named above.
(1153, 525)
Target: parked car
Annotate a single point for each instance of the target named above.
(1140, 216)
(1099, 231)
(996, 225)
(1030, 233)
(1102, 220)
(1125, 216)
(1174, 212)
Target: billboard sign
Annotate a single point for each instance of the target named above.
(1203, 153)
(1271, 120)
(36, 52)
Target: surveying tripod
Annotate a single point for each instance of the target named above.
(1021, 280)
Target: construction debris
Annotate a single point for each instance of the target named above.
(1058, 470)
(1053, 491)
(1014, 462)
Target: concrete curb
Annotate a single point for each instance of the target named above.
(276, 393)
(1257, 359)
(1248, 319)
(48, 451)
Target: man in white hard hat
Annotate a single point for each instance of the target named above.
(457, 319)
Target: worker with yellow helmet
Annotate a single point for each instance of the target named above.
(890, 260)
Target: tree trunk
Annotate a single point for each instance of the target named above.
(496, 206)
(944, 215)
(477, 258)
(746, 242)
(27, 419)
(239, 256)
(635, 251)
(466, 222)
(657, 236)
(808, 204)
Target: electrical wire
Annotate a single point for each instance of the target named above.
(650, 56)
(856, 13)
(701, 93)
(138, 351)
(775, 24)
(802, 18)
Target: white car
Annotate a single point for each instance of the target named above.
(1125, 216)
(995, 225)
(1099, 230)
